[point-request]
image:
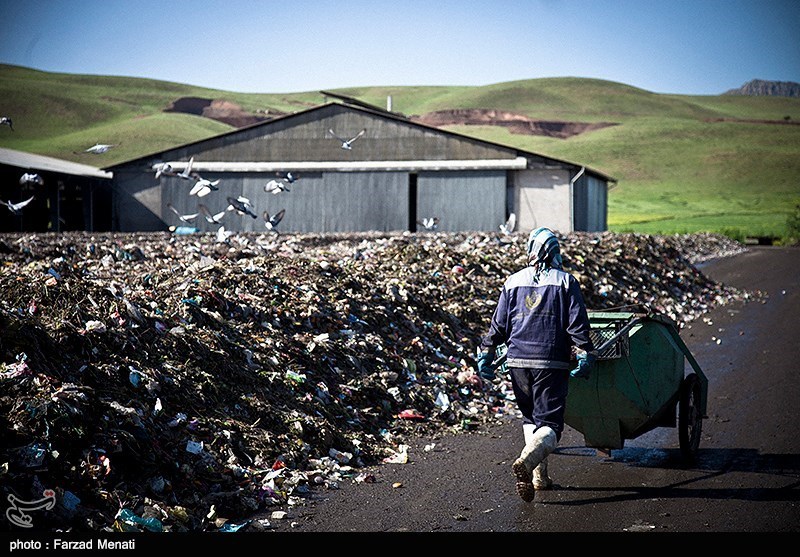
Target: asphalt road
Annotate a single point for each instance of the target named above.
(746, 477)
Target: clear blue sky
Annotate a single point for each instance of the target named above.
(702, 47)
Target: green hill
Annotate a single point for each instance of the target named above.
(725, 163)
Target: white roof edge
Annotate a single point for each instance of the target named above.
(352, 166)
(31, 161)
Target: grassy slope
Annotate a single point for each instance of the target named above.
(679, 169)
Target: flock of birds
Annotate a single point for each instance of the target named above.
(431, 224)
(241, 205)
(201, 187)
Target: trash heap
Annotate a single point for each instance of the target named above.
(177, 382)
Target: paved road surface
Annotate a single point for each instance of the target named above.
(746, 478)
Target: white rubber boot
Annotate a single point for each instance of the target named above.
(528, 430)
(542, 443)
(540, 478)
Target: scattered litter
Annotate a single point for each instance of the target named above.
(194, 447)
(126, 519)
(231, 527)
(400, 456)
(640, 526)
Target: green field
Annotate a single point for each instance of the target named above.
(726, 164)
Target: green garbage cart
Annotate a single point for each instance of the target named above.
(639, 383)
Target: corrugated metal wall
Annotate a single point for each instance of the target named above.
(597, 203)
(317, 202)
(343, 202)
(589, 205)
(463, 201)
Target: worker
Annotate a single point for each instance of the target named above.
(540, 316)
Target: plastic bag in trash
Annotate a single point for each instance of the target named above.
(128, 518)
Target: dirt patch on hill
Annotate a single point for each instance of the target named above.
(786, 121)
(515, 123)
(220, 110)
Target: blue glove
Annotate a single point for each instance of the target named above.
(485, 360)
(585, 365)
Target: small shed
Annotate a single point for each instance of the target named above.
(68, 196)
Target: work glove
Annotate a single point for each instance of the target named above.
(485, 360)
(585, 365)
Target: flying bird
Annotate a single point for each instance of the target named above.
(186, 173)
(276, 186)
(165, 169)
(16, 208)
(214, 219)
(223, 235)
(203, 187)
(347, 143)
(31, 178)
(242, 206)
(508, 227)
(288, 177)
(6, 121)
(272, 222)
(429, 223)
(99, 148)
(183, 218)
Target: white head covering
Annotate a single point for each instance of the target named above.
(543, 250)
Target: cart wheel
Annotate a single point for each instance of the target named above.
(690, 418)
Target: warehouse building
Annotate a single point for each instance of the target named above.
(65, 195)
(360, 168)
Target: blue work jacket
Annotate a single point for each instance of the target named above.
(539, 320)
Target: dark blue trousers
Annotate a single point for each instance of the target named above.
(541, 396)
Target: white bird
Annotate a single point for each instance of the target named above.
(223, 235)
(508, 227)
(99, 148)
(214, 219)
(6, 121)
(275, 187)
(31, 178)
(183, 218)
(272, 222)
(347, 143)
(203, 187)
(242, 206)
(429, 223)
(165, 169)
(186, 173)
(16, 208)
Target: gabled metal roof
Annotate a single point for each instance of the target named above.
(30, 161)
(382, 114)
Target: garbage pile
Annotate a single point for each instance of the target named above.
(181, 383)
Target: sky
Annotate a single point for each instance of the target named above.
(692, 47)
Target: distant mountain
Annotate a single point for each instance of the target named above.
(762, 88)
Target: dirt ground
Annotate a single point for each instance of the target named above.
(746, 477)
